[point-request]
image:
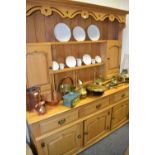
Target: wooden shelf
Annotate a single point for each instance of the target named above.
(76, 68)
(69, 42)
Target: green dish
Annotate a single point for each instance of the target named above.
(95, 88)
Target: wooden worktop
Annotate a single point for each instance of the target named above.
(33, 117)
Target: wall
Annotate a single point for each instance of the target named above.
(121, 4)
(124, 5)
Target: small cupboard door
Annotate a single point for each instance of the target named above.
(38, 59)
(120, 114)
(66, 142)
(96, 126)
(113, 57)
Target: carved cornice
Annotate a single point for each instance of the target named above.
(71, 13)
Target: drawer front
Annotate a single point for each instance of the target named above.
(94, 107)
(58, 121)
(119, 96)
(121, 105)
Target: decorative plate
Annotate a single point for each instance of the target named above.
(70, 61)
(62, 32)
(86, 59)
(93, 33)
(79, 33)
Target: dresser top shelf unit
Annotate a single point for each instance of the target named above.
(43, 48)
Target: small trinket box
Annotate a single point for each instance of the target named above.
(71, 99)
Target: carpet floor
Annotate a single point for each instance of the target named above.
(114, 144)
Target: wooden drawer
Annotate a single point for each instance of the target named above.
(94, 107)
(121, 105)
(119, 96)
(58, 121)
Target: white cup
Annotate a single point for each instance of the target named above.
(79, 62)
(61, 66)
(93, 61)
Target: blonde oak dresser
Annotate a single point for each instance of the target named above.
(64, 130)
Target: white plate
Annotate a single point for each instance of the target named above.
(62, 32)
(86, 59)
(70, 61)
(98, 59)
(93, 33)
(55, 65)
(79, 33)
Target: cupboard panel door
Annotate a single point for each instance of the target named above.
(38, 59)
(113, 57)
(120, 113)
(37, 68)
(96, 126)
(66, 142)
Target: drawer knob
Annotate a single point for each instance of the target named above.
(42, 144)
(62, 121)
(123, 95)
(98, 106)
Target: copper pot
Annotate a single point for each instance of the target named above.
(32, 98)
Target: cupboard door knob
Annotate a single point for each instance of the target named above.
(108, 58)
(79, 136)
(62, 121)
(42, 144)
(107, 127)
